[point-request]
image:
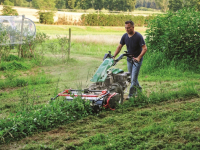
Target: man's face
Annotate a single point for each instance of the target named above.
(129, 28)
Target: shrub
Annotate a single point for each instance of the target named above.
(13, 66)
(46, 17)
(8, 11)
(11, 58)
(148, 18)
(176, 35)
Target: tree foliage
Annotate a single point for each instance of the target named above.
(162, 4)
(23, 3)
(146, 3)
(118, 5)
(176, 35)
(8, 3)
(112, 5)
(44, 4)
(60, 4)
(175, 5)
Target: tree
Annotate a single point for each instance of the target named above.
(145, 3)
(83, 4)
(130, 5)
(7, 2)
(24, 3)
(98, 4)
(60, 4)
(70, 4)
(162, 4)
(175, 5)
(44, 4)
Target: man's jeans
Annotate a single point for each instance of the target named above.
(134, 70)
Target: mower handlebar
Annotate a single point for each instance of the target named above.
(127, 55)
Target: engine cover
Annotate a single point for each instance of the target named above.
(121, 77)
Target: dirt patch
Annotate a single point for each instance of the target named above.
(3, 77)
(102, 39)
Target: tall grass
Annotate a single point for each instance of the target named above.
(39, 118)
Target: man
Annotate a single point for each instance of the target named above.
(135, 45)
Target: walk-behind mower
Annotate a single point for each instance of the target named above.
(108, 87)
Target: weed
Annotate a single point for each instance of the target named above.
(14, 65)
(42, 117)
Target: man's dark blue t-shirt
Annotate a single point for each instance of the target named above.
(134, 43)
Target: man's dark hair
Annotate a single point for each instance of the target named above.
(131, 22)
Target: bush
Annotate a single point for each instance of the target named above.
(8, 11)
(46, 17)
(176, 35)
(11, 58)
(148, 18)
(13, 66)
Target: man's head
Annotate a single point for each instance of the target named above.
(129, 27)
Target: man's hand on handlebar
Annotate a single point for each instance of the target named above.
(136, 59)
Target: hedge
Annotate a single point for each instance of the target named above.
(113, 20)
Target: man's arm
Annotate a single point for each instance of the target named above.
(118, 50)
(144, 50)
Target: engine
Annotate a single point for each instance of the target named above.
(123, 79)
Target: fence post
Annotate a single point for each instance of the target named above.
(69, 43)
(21, 37)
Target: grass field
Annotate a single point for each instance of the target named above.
(166, 116)
(88, 34)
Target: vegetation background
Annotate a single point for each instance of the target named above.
(117, 5)
(165, 116)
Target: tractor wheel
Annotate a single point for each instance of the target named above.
(118, 89)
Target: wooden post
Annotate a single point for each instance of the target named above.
(69, 43)
(21, 37)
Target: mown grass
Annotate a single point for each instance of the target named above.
(171, 125)
(165, 116)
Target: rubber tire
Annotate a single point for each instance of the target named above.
(118, 89)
